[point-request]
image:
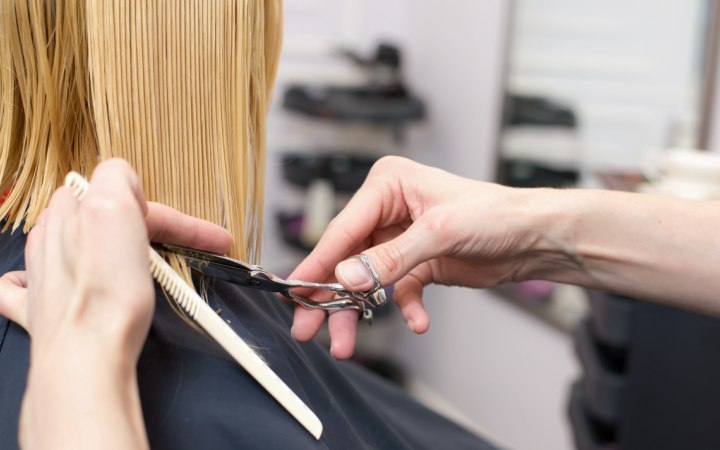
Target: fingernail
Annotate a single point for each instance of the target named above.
(354, 274)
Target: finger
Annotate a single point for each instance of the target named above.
(408, 298)
(393, 259)
(336, 243)
(114, 190)
(329, 277)
(306, 323)
(169, 226)
(342, 326)
(17, 278)
(35, 261)
(32, 244)
(108, 173)
(13, 297)
(376, 204)
(111, 223)
(56, 261)
(59, 241)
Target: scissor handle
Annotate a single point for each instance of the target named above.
(374, 298)
(339, 304)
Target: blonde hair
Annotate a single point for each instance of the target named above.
(179, 88)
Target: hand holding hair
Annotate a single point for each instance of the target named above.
(87, 300)
(164, 225)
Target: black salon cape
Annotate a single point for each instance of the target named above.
(195, 397)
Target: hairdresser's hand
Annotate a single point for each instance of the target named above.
(418, 225)
(87, 267)
(89, 306)
(87, 299)
(163, 224)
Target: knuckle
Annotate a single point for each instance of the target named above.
(342, 233)
(389, 260)
(115, 164)
(439, 228)
(388, 164)
(58, 194)
(332, 225)
(98, 207)
(131, 296)
(116, 169)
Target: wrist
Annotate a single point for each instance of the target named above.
(73, 347)
(101, 391)
(552, 217)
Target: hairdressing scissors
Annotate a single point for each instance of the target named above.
(255, 277)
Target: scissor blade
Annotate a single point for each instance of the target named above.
(200, 255)
(226, 269)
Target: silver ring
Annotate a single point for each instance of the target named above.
(376, 279)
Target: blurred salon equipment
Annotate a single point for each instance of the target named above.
(382, 100)
(321, 176)
(540, 144)
(685, 173)
(351, 124)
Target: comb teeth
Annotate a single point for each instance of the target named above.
(77, 183)
(178, 289)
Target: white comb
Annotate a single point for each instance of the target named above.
(215, 326)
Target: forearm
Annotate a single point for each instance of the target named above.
(649, 247)
(82, 398)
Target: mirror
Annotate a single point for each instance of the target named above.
(598, 87)
(594, 91)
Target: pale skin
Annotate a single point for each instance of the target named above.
(86, 299)
(421, 225)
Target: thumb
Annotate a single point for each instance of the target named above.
(13, 297)
(391, 260)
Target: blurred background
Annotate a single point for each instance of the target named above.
(605, 93)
